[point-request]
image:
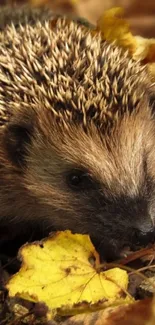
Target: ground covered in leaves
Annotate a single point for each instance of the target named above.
(62, 281)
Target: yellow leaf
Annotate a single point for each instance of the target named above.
(145, 49)
(114, 27)
(145, 52)
(62, 272)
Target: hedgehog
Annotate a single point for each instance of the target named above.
(77, 134)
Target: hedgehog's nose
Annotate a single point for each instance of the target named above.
(144, 237)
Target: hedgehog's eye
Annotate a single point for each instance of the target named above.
(79, 180)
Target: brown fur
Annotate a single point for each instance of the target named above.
(68, 102)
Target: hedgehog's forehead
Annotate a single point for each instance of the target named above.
(116, 160)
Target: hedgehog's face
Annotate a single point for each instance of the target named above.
(103, 185)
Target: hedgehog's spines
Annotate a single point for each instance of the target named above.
(59, 63)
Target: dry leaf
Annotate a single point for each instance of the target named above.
(62, 273)
(139, 313)
(114, 27)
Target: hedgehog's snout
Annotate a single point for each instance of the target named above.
(143, 227)
(143, 236)
(129, 223)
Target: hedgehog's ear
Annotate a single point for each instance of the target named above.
(18, 136)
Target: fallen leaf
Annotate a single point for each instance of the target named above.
(145, 52)
(139, 313)
(114, 27)
(63, 272)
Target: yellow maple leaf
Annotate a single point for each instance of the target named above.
(63, 273)
(114, 27)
